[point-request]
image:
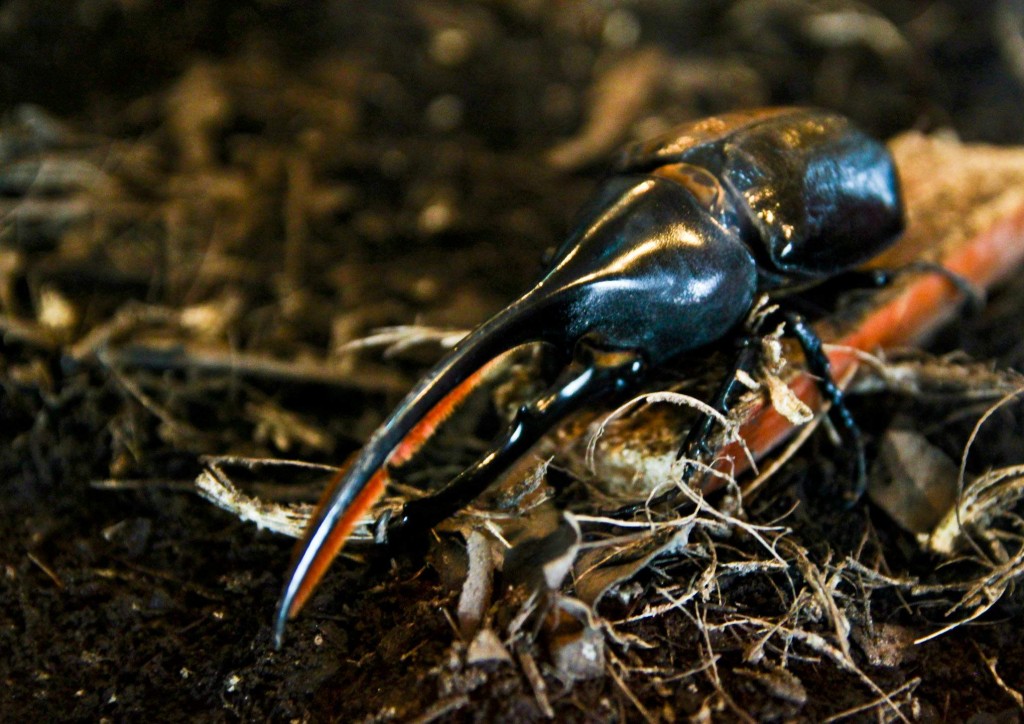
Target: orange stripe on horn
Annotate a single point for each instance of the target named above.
(339, 534)
(376, 486)
(440, 412)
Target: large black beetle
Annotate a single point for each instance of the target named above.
(668, 257)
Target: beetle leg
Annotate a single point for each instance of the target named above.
(819, 366)
(695, 446)
(594, 375)
(974, 296)
(820, 299)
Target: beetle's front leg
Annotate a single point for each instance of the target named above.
(819, 366)
(695, 446)
(824, 298)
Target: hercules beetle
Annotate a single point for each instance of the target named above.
(669, 256)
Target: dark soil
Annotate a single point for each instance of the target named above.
(311, 172)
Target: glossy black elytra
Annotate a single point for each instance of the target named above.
(668, 256)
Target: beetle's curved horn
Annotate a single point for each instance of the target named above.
(639, 284)
(359, 486)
